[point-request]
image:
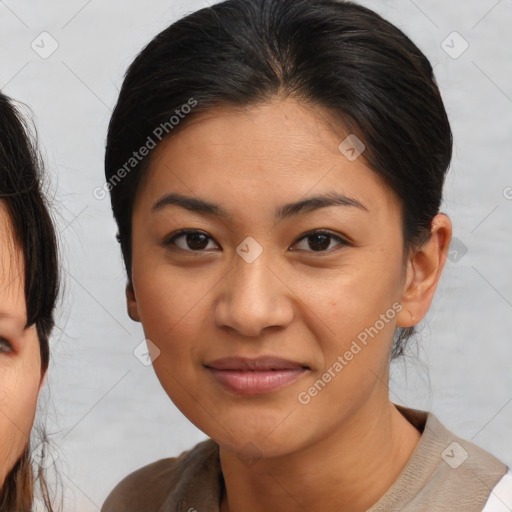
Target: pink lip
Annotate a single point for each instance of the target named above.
(255, 376)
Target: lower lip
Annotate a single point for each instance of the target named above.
(256, 382)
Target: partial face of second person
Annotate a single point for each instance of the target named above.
(303, 299)
(20, 358)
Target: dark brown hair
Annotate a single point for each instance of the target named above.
(34, 234)
(333, 55)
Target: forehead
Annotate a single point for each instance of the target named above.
(269, 153)
(282, 133)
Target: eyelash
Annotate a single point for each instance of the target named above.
(170, 240)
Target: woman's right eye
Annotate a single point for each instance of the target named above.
(5, 346)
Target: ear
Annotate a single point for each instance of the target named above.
(131, 303)
(424, 267)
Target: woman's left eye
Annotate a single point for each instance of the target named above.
(320, 241)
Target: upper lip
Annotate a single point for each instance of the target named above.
(248, 364)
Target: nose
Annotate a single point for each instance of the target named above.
(253, 297)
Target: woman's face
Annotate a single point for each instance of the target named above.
(20, 359)
(251, 284)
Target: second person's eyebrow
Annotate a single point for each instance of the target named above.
(302, 206)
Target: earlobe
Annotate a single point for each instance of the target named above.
(423, 273)
(131, 303)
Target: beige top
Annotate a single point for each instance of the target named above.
(444, 473)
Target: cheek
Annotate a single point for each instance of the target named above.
(173, 318)
(19, 389)
(359, 305)
(169, 301)
(354, 298)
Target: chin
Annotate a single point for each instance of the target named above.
(263, 441)
(250, 449)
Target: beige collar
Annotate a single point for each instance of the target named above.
(444, 473)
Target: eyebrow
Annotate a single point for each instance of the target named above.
(282, 212)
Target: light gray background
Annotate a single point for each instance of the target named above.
(107, 411)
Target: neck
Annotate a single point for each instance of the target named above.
(348, 471)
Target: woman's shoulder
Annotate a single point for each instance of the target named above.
(500, 499)
(445, 473)
(150, 486)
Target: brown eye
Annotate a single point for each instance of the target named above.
(189, 240)
(320, 241)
